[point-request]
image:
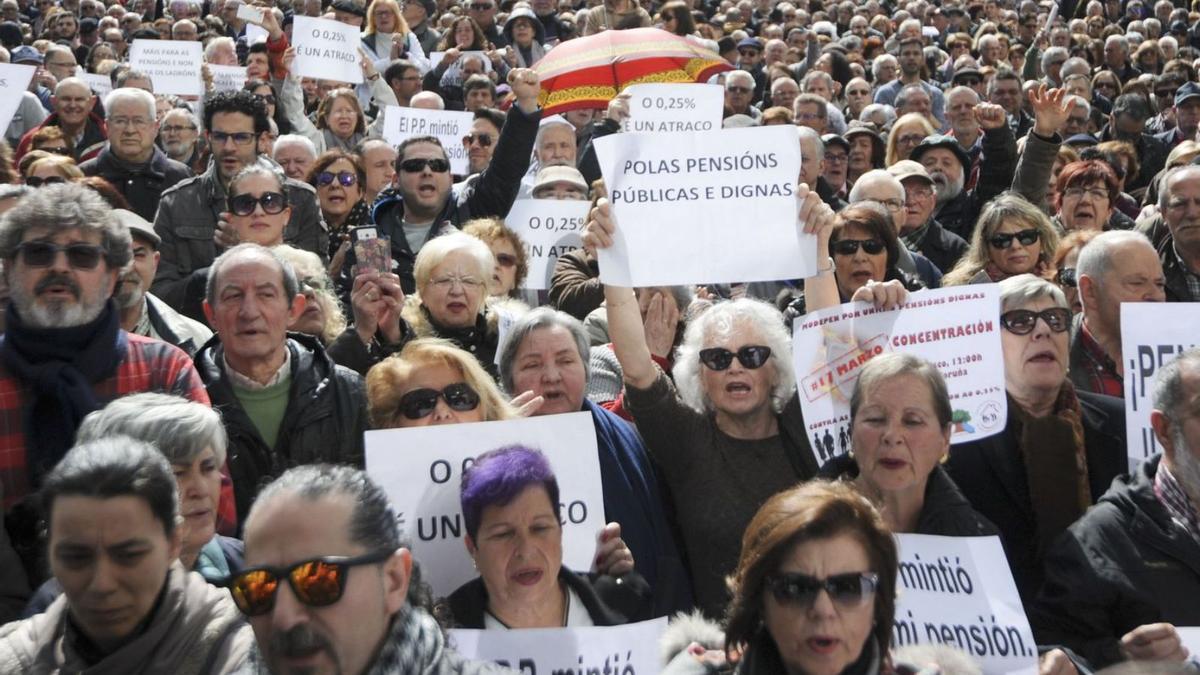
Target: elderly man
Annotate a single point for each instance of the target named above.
(135, 166)
(810, 111)
(837, 157)
(964, 126)
(296, 154)
(882, 188)
(1124, 575)
(1178, 244)
(919, 231)
(784, 91)
(179, 135)
(379, 159)
(883, 70)
(372, 625)
(283, 401)
(812, 167)
(73, 102)
(559, 182)
(912, 61)
(820, 83)
(739, 95)
(185, 29)
(1115, 267)
(60, 61)
(1127, 123)
(913, 98)
(555, 144)
(405, 80)
(480, 144)
(1004, 90)
(189, 213)
(64, 354)
(1116, 58)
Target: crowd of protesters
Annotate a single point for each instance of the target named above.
(184, 391)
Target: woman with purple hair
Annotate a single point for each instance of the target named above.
(511, 511)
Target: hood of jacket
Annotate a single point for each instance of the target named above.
(311, 366)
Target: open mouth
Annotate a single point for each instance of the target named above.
(737, 388)
(892, 463)
(528, 577)
(821, 644)
(427, 190)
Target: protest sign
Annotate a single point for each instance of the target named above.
(250, 13)
(99, 84)
(326, 50)
(420, 469)
(14, 82)
(435, 58)
(549, 228)
(955, 329)
(448, 125)
(660, 108)
(1152, 335)
(959, 591)
(704, 207)
(256, 34)
(631, 649)
(173, 65)
(1190, 636)
(228, 78)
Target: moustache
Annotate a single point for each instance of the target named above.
(57, 280)
(300, 640)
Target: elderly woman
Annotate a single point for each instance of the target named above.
(112, 514)
(526, 36)
(1060, 448)
(51, 170)
(338, 177)
(340, 123)
(906, 134)
(388, 37)
(512, 265)
(322, 317)
(510, 509)
(1012, 237)
(900, 425)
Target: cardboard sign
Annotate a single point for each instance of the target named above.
(326, 50)
(421, 471)
(449, 126)
(173, 65)
(630, 649)
(704, 207)
(959, 591)
(665, 108)
(228, 78)
(956, 329)
(548, 228)
(1152, 335)
(14, 82)
(100, 85)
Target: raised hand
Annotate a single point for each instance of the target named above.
(1153, 642)
(599, 231)
(526, 85)
(990, 116)
(1051, 108)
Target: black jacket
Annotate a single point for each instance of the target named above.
(991, 473)
(1122, 565)
(995, 176)
(141, 185)
(941, 246)
(610, 601)
(324, 422)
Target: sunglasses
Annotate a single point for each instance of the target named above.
(272, 203)
(269, 99)
(420, 403)
(506, 259)
(57, 151)
(485, 140)
(317, 583)
(42, 253)
(34, 181)
(1022, 321)
(1026, 237)
(850, 246)
(1065, 277)
(418, 165)
(750, 356)
(345, 178)
(848, 590)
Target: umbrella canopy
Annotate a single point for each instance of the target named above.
(589, 72)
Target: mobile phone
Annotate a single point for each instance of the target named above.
(250, 13)
(371, 251)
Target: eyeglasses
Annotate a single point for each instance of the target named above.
(851, 246)
(418, 165)
(316, 284)
(835, 158)
(1079, 192)
(750, 356)
(446, 284)
(34, 181)
(176, 128)
(1065, 276)
(748, 53)
(421, 403)
(240, 138)
(135, 122)
(1023, 321)
(317, 583)
(344, 178)
(891, 204)
(484, 140)
(739, 90)
(269, 99)
(506, 260)
(1026, 237)
(969, 81)
(848, 590)
(272, 203)
(42, 254)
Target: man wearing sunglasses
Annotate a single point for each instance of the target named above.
(189, 213)
(481, 142)
(328, 585)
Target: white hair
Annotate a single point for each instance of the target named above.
(288, 140)
(215, 44)
(1096, 257)
(874, 176)
(131, 94)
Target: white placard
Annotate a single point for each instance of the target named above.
(704, 207)
(250, 13)
(665, 108)
(228, 78)
(256, 33)
(435, 58)
(1190, 636)
(100, 85)
(14, 82)
(960, 592)
(326, 50)
(504, 324)
(956, 329)
(173, 65)
(548, 228)
(632, 648)
(448, 125)
(421, 471)
(1152, 335)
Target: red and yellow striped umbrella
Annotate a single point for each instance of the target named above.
(589, 72)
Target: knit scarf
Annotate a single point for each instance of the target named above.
(60, 365)
(332, 142)
(1055, 461)
(913, 240)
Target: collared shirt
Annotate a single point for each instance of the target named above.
(1193, 280)
(913, 240)
(144, 327)
(1177, 503)
(240, 380)
(1099, 368)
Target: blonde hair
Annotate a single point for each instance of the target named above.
(401, 25)
(308, 266)
(65, 166)
(1008, 207)
(915, 119)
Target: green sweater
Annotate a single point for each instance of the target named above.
(266, 407)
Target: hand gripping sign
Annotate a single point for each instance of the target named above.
(631, 649)
(327, 50)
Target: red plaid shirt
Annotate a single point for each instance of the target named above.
(1099, 370)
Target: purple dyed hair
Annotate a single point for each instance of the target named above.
(497, 477)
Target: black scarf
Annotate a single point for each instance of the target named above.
(60, 365)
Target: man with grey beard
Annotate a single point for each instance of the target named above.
(1126, 573)
(179, 135)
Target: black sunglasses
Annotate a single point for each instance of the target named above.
(272, 203)
(269, 99)
(1023, 321)
(848, 590)
(420, 403)
(750, 356)
(418, 165)
(35, 181)
(1026, 237)
(850, 246)
(345, 178)
(42, 253)
(317, 583)
(485, 140)
(1066, 277)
